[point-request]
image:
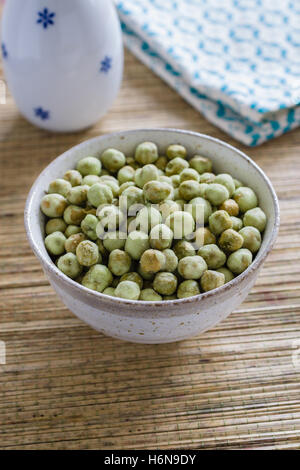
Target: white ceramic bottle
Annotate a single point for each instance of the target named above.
(63, 60)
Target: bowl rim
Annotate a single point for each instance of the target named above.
(259, 259)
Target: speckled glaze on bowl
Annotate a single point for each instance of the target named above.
(154, 322)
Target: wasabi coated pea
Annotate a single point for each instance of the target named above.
(114, 186)
(150, 295)
(55, 243)
(237, 223)
(189, 174)
(87, 253)
(245, 198)
(167, 207)
(130, 197)
(126, 174)
(110, 216)
(175, 166)
(136, 244)
(175, 180)
(89, 166)
(78, 195)
(88, 226)
(238, 261)
(145, 174)
(125, 186)
(147, 218)
(175, 150)
(113, 160)
(188, 288)
(201, 164)
(214, 257)
(255, 218)
(157, 191)
(152, 261)
(165, 283)
(53, 205)
(146, 152)
(211, 280)
(189, 189)
(228, 274)
(109, 291)
(59, 186)
(251, 238)
(148, 277)
(73, 241)
(226, 180)
(114, 240)
(171, 260)
(55, 225)
(74, 177)
(99, 193)
(181, 223)
(127, 290)
(72, 230)
(97, 278)
(203, 236)
(69, 265)
(74, 215)
(219, 221)
(200, 209)
(207, 178)
(231, 207)
(119, 262)
(184, 248)
(192, 267)
(161, 237)
(89, 180)
(134, 277)
(230, 240)
(161, 163)
(216, 193)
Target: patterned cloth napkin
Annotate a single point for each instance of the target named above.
(236, 61)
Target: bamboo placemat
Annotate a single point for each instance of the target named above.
(64, 386)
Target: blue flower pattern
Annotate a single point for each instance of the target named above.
(4, 51)
(45, 18)
(106, 64)
(237, 61)
(41, 113)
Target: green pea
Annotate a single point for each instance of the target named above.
(89, 166)
(69, 265)
(55, 243)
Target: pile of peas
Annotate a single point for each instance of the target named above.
(166, 249)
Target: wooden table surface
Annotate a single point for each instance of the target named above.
(64, 386)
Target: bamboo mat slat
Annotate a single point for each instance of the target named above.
(64, 386)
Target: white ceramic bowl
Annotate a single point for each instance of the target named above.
(154, 322)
